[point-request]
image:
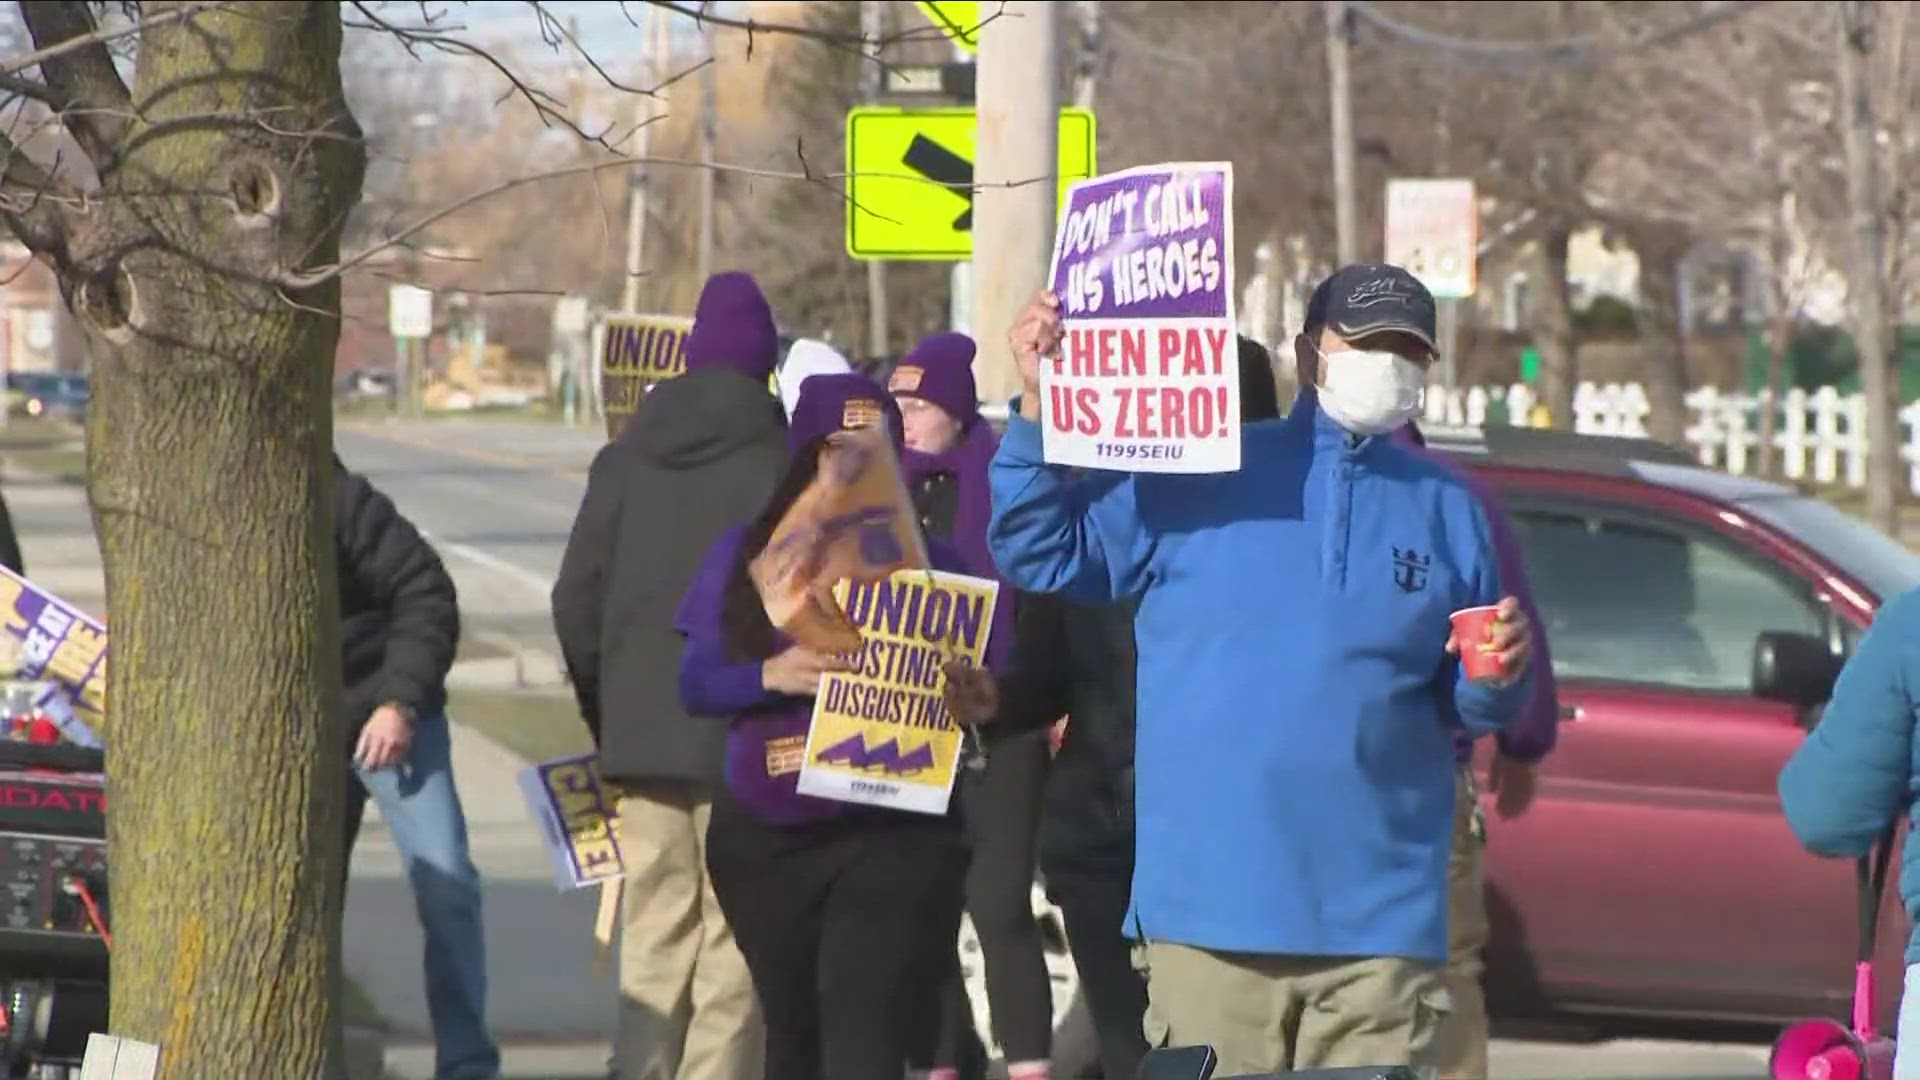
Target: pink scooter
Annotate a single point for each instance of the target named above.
(1827, 1049)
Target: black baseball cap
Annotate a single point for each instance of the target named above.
(1367, 298)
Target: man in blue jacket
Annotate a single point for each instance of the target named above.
(1855, 775)
(1294, 765)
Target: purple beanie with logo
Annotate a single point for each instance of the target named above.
(940, 370)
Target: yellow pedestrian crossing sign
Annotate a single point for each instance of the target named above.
(910, 176)
(960, 21)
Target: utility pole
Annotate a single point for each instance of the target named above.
(1340, 108)
(1866, 285)
(873, 17)
(1015, 144)
(644, 113)
(1086, 79)
(709, 131)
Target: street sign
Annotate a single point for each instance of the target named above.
(1433, 229)
(958, 19)
(409, 312)
(572, 317)
(897, 163)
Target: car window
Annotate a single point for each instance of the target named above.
(1634, 597)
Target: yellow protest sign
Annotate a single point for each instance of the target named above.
(638, 353)
(578, 816)
(881, 733)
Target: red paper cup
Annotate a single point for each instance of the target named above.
(1472, 628)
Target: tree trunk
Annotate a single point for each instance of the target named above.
(1779, 340)
(1866, 285)
(209, 443)
(1661, 338)
(1553, 326)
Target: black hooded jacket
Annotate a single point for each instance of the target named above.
(399, 614)
(701, 454)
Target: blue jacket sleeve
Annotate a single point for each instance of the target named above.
(712, 684)
(1056, 530)
(1853, 775)
(1484, 707)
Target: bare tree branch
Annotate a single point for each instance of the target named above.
(95, 102)
(171, 15)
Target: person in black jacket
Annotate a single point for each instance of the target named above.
(1078, 661)
(701, 454)
(399, 627)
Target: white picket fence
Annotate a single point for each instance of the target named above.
(1819, 436)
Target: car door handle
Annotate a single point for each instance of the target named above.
(1570, 713)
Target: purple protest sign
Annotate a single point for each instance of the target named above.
(578, 817)
(62, 646)
(1148, 377)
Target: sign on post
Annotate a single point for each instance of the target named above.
(958, 19)
(409, 312)
(1433, 230)
(910, 179)
(1148, 378)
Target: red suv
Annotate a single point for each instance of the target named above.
(1697, 622)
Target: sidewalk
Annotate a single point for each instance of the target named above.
(549, 1007)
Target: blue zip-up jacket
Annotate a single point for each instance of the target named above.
(1859, 770)
(1294, 769)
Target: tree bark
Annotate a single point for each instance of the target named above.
(1553, 326)
(1662, 340)
(209, 442)
(1866, 284)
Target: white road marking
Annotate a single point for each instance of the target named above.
(536, 581)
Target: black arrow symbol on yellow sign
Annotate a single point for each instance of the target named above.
(946, 168)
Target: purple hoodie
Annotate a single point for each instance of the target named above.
(966, 462)
(1532, 734)
(766, 727)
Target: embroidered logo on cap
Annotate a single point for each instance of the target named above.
(859, 413)
(906, 380)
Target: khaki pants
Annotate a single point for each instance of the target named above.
(1265, 1014)
(687, 1007)
(1462, 1052)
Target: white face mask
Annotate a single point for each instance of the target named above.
(1371, 393)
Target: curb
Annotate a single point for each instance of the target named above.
(366, 1053)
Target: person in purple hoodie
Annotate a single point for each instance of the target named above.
(831, 903)
(1510, 779)
(949, 446)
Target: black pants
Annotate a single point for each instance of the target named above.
(1000, 811)
(833, 920)
(1094, 906)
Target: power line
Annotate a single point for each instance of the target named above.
(1577, 50)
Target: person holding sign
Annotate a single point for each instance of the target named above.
(949, 446)
(1308, 628)
(831, 902)
(1078, 660)
(700, 454)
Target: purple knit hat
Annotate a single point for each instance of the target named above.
(940, 370)
(830, 403)
(733, 328)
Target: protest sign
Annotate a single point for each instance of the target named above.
(62, 646)
(636, 352)
(1147, 379)
(578, 816)
(855, 521)
(881, 732)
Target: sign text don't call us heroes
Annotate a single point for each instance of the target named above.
(910, 179)
(1147, 379)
